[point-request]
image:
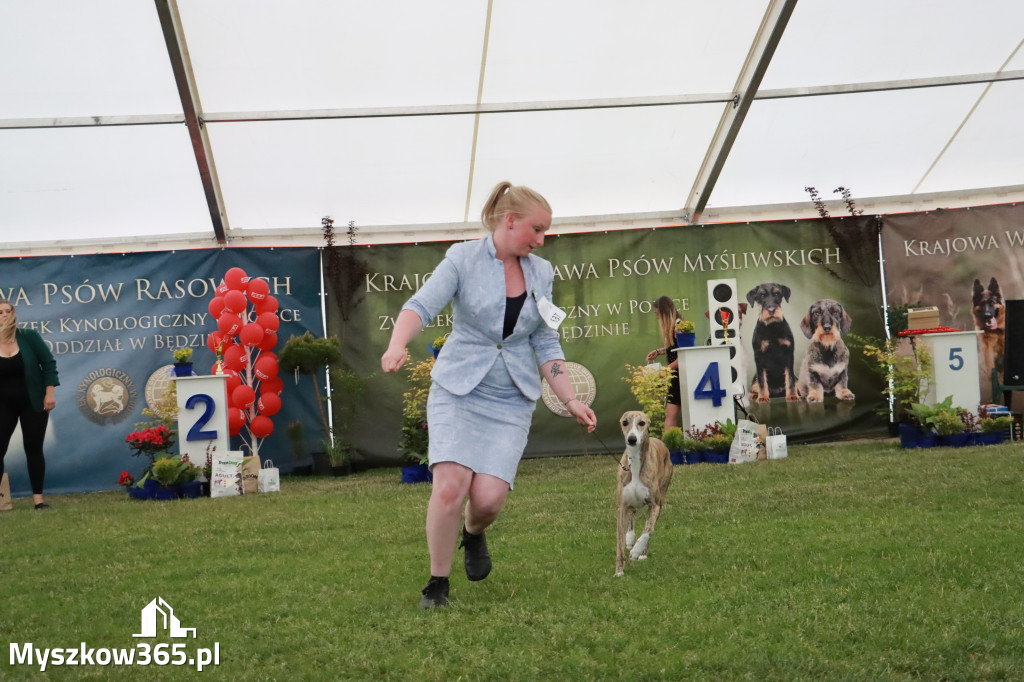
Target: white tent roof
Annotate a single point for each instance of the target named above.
(195, 122)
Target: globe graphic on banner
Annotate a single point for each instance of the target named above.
(583, 385)
(159, 381)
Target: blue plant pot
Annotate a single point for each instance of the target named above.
(993, 438)
(140, 493)
(685, 340)
(191, 490)
(146, 492)
(677, 456)
(956, 440)
(183, 369)
(715, 457)
(913, 437)
(166, 494)
(416, 473)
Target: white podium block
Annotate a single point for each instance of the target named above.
(202, 417)
(705, 379)
(955, 363)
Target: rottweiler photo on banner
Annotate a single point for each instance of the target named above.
(967, 263)
(790, 271)
(111, 322)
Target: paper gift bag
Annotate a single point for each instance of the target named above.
(269, 480)
(250, 474)
(5, 494)
(226, 474)
(744, 443)
(762, 440)
(776, 444)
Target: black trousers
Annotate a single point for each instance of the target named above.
(33, 430)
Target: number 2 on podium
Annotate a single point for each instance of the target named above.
(197, 432)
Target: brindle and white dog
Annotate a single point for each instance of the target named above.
(645, 471)
(824, 369)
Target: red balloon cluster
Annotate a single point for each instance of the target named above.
(246, 335)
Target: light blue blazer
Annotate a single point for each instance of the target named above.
(473, 279)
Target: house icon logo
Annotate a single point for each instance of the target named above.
(158, 611)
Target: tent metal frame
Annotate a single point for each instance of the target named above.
(735, 104)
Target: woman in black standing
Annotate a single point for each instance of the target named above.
(28, 375)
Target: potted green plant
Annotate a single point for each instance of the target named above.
(906, 368)
(337, 455)
(692, 450)
(415, 441)
(712, 442)
(437, 345)
(950, 427)
(182, 362)
(172, 473)
(718, 445)
(685, 334)
(916, 430)
(949, 423)
(649, 385)
(675, 441)
(993, 429)
(310, 354)
(347, 391)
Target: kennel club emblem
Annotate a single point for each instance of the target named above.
(107, 396)
(583, 385)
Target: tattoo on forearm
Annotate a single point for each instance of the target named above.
(556, 370)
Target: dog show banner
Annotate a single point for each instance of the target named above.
(607, 284)
(965, 262)
(112, 321)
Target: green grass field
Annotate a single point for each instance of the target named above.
(843, 562)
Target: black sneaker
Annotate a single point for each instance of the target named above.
(43, 505)
(435, 594)
(478, 561)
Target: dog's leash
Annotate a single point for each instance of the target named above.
(607, 450)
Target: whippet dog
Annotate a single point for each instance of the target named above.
(645, 471)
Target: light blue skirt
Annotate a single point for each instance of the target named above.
(484, 430)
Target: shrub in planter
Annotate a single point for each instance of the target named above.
(675, 441)
(649, 385)
(993, 430)
(718, 448)
(415, 441)
(913, 436)
(904, 365)
(711, 443)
